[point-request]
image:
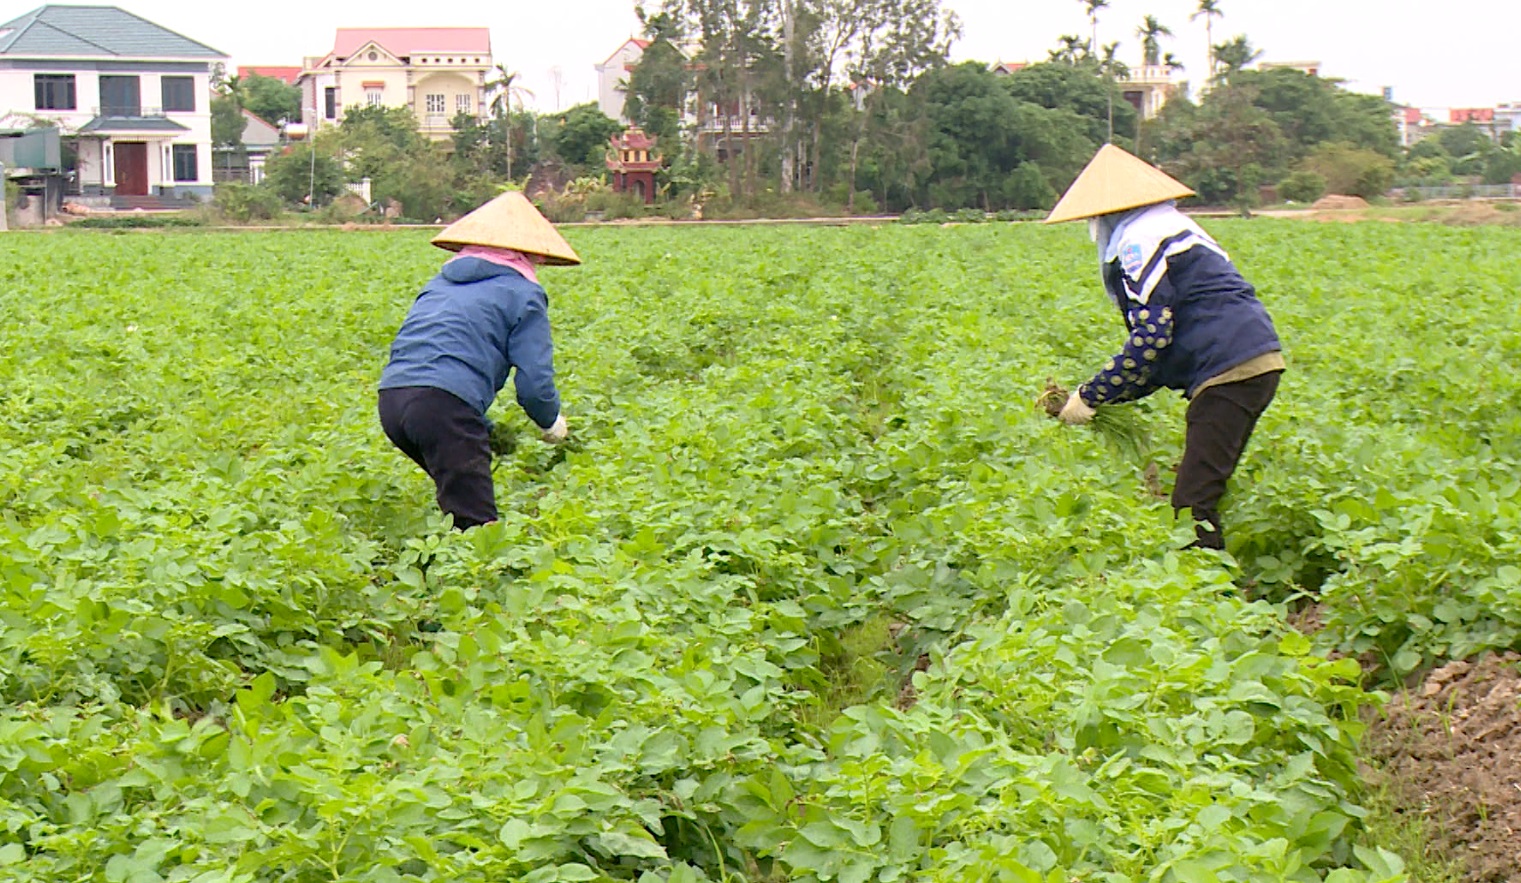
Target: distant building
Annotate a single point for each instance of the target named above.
(723, 128)
(260, 139)
(1306, 67)
(1148, 88)
(634, 161)
(287, 74)
(1004, 68)
(1479, 116)
(436, 73)
(1508, 117)
(613, 74)
(132, 99)
(1413, 125)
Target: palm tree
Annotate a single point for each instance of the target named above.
(1150, 33)
(1071, 49)
(1234, 55)
(505, 93)
(1171, 62)
(1092, 7)
(1110, 64)
(1210, 9)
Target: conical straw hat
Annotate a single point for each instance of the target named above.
(1113, 182)
(510, 221)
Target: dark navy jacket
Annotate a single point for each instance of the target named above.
(473, 322)
(1190, 315)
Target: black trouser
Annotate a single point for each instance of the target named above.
(449, 440)
(1220, 420)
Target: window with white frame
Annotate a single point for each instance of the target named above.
(435, 103)
(464, 103)
(374, 96)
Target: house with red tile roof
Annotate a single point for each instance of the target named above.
(437, 73)
(287, 74)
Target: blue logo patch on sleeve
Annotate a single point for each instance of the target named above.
(1132, 260)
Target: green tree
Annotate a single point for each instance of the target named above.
(1209, 10)
(1027, 188)
(739, 50)
(658, 87)
(1091, 9)
(1503, 163)
(304, 174)
(228, 122)
(1352, 170)
(505, 92)
(583, 136)
(271, 100)
(227, 103)
(1070, 50)
(984, 145)
(1151, 33)
(1302, 187)
(1469, 147)
(1235, 55)
(1313, 110)
(1222, 146)
(1076, 88)
(900, 40)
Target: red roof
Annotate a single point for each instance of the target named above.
(405, 42)
(1472, 115)
(284, 74)
(1413, 116)
(637, 41)
(633, 139)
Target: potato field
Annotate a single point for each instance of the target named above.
(816, 592)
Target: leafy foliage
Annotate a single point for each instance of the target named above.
(241, 646)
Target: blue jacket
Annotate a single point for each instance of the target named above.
(473, 322)
(1189, 313)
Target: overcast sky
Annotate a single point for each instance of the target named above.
(1459, 53)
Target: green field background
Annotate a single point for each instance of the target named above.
(815, 593)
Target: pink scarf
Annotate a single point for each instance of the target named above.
(523, 263)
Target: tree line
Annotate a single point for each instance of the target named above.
(854, 104)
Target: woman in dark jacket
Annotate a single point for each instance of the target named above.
(482, 317)
(1194, 324)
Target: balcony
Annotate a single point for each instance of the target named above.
(122, 119)
(735, 125)
(128, 111)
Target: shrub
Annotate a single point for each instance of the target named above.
(1352, 171)
(243, 202)
(138, 221)
(1027, 188)
(1302, 186)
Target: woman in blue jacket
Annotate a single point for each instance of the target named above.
(484, 315)
(1194, 324)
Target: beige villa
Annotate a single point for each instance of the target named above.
(437, 73)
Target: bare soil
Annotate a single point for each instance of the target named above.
(1337, 202)
(1451, 748)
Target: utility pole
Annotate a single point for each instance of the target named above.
(3, 226)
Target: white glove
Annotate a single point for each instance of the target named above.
(1076, 411)
(558, 432)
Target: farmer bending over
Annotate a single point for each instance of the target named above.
(1194, 324)
(481, 316)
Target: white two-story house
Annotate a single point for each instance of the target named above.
(131, 97)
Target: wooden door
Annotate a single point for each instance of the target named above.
(131, 168)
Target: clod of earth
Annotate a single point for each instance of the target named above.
(1053, 398)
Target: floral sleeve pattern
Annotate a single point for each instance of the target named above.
(1128, 376)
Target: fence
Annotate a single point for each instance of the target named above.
(1459, 191)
